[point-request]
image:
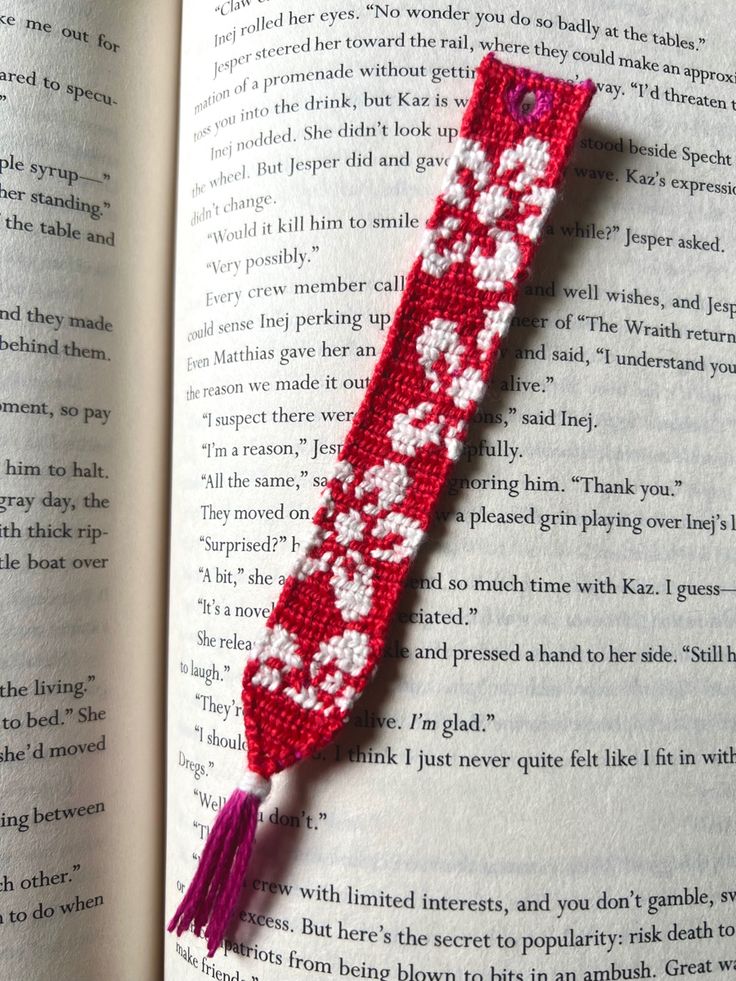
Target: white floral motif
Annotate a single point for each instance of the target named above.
(391, 481)
(466, 388)
(399, 526)
(382, 488)
(353, 590)
(527, 162)
(435, 262)
(334, 670)
(495, 272)
(344, 657)
(496, 325)
(439, 337)
(407, 437)
(539, 197)
(305, 564)
(349, 527)
(413, 430)
(532, 159)
(279, 645)
(491, 204)
(467, 155)
(454, 439)
(361, 525)
(521, 166)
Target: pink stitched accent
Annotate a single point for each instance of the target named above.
(515, 103)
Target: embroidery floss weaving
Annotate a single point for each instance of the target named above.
(326, 634)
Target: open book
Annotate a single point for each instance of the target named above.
(538, 784)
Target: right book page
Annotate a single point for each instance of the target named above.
(538, 784)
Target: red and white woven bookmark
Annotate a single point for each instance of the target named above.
(327, 632)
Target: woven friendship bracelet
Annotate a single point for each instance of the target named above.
(327, 631)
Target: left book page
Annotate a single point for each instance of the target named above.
(87, 122)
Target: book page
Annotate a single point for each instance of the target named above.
(88, 105)
(538, 784)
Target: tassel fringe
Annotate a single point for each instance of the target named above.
(210, 900)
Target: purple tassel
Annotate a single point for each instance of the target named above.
(210, 900)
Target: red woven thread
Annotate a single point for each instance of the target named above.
(327, 630)
(326, 633)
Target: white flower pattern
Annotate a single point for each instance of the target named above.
(368, 520)
(360, 526)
